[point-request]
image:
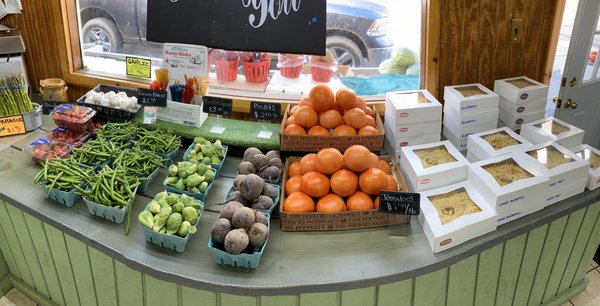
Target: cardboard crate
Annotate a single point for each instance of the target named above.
(305, 143)
(317, 221)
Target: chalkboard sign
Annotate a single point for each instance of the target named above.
(217, 106)
(246, 25)
(402, 203)
(265, 111)
(148, 97)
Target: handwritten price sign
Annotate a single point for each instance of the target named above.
(217, 106)
(265, 111)
(13, 125)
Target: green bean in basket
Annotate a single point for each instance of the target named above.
(120, 133)
(138, 163)
(159, 141)
(96, 151)
(63, 174)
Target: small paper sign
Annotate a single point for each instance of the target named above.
(265, 111)
(265, 134)
(217, 106)
(148, 97)
(150, 115)
(402, 203)
(139, 67)
(217, 130)
(12, 125)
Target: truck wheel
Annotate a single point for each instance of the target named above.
(346, 52)
(103, 32)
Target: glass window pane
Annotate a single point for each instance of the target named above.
(591, 68)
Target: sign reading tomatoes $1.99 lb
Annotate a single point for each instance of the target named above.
(13, 125)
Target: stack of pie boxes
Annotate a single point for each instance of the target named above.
(522, 100)
(411, 118)
(468, 109)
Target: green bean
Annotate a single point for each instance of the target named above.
(63, 174)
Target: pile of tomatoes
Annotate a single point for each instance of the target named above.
(330, 181)
(74, 118)
(49, 150)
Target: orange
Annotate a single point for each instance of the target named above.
(294, 129)
(330, 119)
(345, 98)
(331, 203)
(383, 165)
(307, 163)
(344, 130)
(298, 202)
(294, 169)
(368, 130)
(344, 182)
(354, 117)
(338, 108)
(329, 160)
(367, 110)
(359, 201)
(372, 181)
(290, 120)
(293, 184)
(357, 158)
(306, 116)
(376, 202)
(370, 121)
(374, 161)
(306, 101)
(392, 185)
(322, 97)
(294, 109)
(360, 103)
(315, 184)
(318, 130)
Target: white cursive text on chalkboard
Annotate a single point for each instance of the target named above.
(267, 7)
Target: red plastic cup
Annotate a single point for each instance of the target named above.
(226, 70)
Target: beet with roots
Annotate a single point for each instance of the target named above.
(260, 217)
(236, 241)
(230, 208)
(263, 202)
(251, 186)
(270, 191)
(275, 162)
(237, 180)
(259, 161)
(272, 154)
(246, 167)
(220, 230)
(243, 218)
(258, 234)
(237, 197)
(250, 152)
(271, 173)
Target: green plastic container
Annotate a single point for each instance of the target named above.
(217, 167)
(64, 198)
(116, 215)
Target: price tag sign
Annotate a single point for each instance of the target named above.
(217, 106)
(402, 203)
(148, 97)
(265, 111)
(12, 125)
(139, 67)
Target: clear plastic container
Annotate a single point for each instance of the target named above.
(42, 149)
(290, 65)
(75, 139)
(73, 117)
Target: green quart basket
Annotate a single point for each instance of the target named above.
(64, 198)
(198, 196)
(145, 182)
(216, 167)
(116, 215)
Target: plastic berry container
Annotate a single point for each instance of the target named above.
(42, 149)
(321, 71)
(290, 65)
(73, 117)
(75, 139)
(256, 66)
(226, 64)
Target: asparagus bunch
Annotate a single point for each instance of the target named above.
(13, 96)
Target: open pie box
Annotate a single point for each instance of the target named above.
(453, 214)
(433, 165)
(512, 185)
(416, 106)
(520, 90)
(495, 142)
(470, 98)
(552, 129)
(592, 156)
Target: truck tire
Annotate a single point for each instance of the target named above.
(345, 50)
(103, 32)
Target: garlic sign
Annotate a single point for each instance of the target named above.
(267, 7)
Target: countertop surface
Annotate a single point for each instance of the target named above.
(293, 262)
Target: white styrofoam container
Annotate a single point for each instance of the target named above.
(454, 98)
(593, 180)
(459, 143)
(411, 140)
(464, 228)
(414, 129)
(483, 150)
(529, 107)
(540, 131)
(436, 176)
(516, 199)
(562, 175)
(520, 118)
(520, 95)
(462, 120)
(557, 195)
(403, 107)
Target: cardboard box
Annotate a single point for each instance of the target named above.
(319, 221)
(529, 107)
(411, 140)
(468, 129)
(552, 129)
(520, 118)
(459, 142)
(516, 198)
(484, 150)
(424, 177)
(470, 98)
(556, 195)
(520, 90)
(304, 143)
(463, 120)
(442, 236)
(402, 107)
(592, 156)
(414, 129)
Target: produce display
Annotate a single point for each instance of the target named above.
(550, 157)
(251, 191)
(63, 174)
(73, 138)
(111, 99)
(72, 117)
(507, 172)
(110, 187)
(330, 181)
(324, 113)
(500, 140)
(42, 149)
(205, 152)
(14, 97)
(171, 214)
(119, 133)
(138, 163)
(158, 141)
(453, 205)
(552, 127)
(266, 166)
(96, 152)
(240, 229)
(190, 176)
(431, 157)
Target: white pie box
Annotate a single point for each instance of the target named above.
(593, 180)
(483, 150)
(466, 130)
(520, 95)
(462, 120)
(414, 129)
(454, 98)
(417, 106)
(390, 148)
(404, 141)
(459, 142)
(462, 229)
(436, 176)
(514, 127)
(520, 118)
(557, 195)
(540, 131)
(516, 199)
(529, 107)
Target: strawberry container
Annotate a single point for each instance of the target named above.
(72, 117)
(226, 70)
(42, 149)
(75, 139)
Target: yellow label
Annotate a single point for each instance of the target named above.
(139, 67)
(12, 125)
